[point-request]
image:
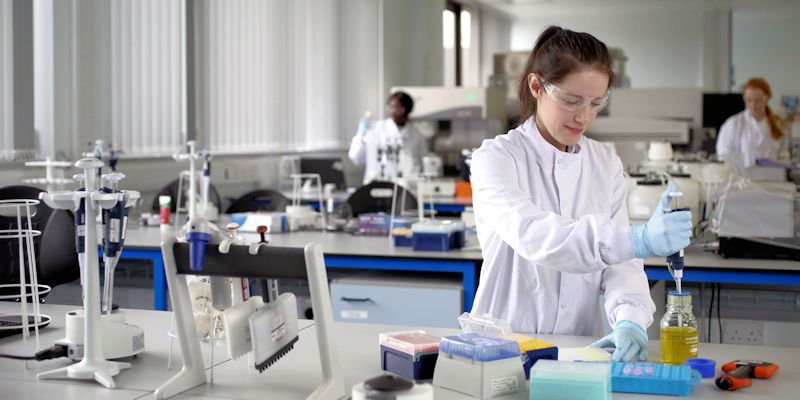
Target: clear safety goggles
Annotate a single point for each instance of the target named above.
(572, 102)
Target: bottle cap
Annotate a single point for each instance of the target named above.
(704, 366)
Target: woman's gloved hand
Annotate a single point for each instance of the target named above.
(629, 340)
(665, 233)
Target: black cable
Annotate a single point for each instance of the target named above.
(14, 357)
(56, 351)
(719, 318)
(711, 312)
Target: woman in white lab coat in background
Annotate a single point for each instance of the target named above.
(550, 208)
(755, 133)
(377, 144)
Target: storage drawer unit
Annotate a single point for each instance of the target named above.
(386, 298)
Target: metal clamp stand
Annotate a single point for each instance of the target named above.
(267, 263)
(93, 365)
(23, 210)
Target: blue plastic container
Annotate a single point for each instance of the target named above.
(403, 241)
(675, 380)
(431, 241)
(531, 357)
(479, 347)
(408, 366)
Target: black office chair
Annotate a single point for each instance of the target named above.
(259, 200)
(374, 197)
(171, 190)
(56, 259)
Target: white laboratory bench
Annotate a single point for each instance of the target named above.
(295, 375)
(343, 250)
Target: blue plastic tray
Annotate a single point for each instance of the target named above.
(675, 380)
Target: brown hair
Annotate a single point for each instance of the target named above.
(557, 53)
(775, 123)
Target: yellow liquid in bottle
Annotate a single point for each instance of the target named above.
(677, 344)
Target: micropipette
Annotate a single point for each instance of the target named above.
(114, 225)
(675, 261)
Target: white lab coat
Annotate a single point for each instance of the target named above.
(554, 232)
(385, 132)
(741, 136)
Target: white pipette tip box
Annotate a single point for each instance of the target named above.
(479, 366)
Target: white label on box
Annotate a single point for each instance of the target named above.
(507, 385)
(354, 314)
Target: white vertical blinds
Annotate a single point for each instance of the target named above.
(6, 81)
(268, 75)
(146, 79)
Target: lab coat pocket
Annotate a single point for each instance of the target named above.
(592, 278)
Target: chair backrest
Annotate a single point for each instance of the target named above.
(56, 259)
(259, 200)
(377, 196)
(171, 190)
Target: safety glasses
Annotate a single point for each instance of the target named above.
(572, 102)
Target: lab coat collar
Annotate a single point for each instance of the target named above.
(546, 150)
(401, 130)
(755, 127)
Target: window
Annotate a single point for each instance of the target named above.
(145, 85)
(457, 37)
(268, 75)
(6, 83)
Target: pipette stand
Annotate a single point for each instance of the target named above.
(295, 210)
(51, 181)
(265, 262)
(93, 365)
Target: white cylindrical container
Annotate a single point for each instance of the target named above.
(643, 200)
(659, 151)
(691, 194)
(631, 179)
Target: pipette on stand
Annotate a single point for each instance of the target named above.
(205, 182)
(114, 226)
(80, 229)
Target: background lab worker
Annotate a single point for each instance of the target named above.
(755, 133)
(550, 208)
(390, 147)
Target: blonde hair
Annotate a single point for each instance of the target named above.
(776, 125)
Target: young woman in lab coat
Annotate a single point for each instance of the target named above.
(550, 208)
(370, 143)
(755, 133)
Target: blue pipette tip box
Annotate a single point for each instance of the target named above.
(644, 378)
(410, 354)
(479, 347)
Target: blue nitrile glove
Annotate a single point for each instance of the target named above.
(665, 233)
(629, 340)
(363, 126)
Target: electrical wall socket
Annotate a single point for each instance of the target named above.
(743, 332)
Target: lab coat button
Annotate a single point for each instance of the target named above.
(560, 161)
(563, 305)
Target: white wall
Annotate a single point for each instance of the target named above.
(767, 44)
(358, 46)
(412, 51)
(664, 48)
(495, 38)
